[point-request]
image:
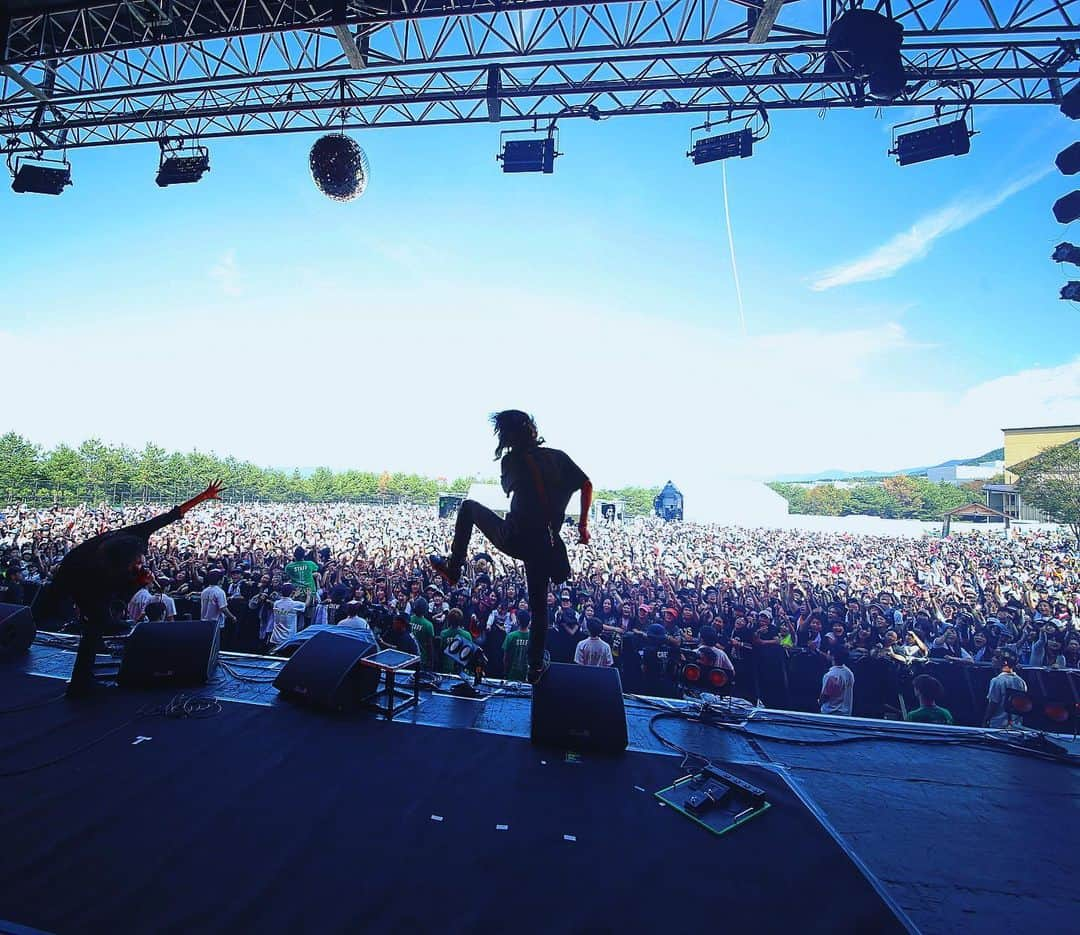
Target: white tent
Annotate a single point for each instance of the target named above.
(733, 501)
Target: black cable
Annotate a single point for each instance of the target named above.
(32, 705)
(245, 678)
(180, 706)
(984, 742)
(70, 753)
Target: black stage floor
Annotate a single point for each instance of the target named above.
(266, 817)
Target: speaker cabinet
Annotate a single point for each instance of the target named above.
(579, 708)
(326, 672)
(17, 631)
(183, 652)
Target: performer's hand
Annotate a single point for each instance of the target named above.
(212, 492)
(583, 535)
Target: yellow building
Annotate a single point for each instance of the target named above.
(1021, 444)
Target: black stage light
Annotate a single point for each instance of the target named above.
(40, 176)
(1067, 207)
(1070, 103)
(536, 155)
(946, 139)
(494, 86)
(724, 146)
(339, 167)
(1066, 253)
(866, 45)
(182, 164)
(1071, 291)
(1068, 160)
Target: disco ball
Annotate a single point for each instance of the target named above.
(339, 167)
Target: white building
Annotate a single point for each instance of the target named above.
(962, 473)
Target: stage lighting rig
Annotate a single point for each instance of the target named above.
(531, 153)
(339, 167)
(948, 138)
(865, 45)
(181, 163)
(1067, 207)
(1071, 291)
(740, 143)
(38, 175)
(472, 659)
(1068, 160)
(1066, 253)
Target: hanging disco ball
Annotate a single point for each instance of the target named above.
(339, 167)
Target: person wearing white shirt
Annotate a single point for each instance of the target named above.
(286, 611)
(594, 651)
(214, 604)
(353, 620)
(838, 684)
(136, 607)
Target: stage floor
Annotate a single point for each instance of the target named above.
(268, 817)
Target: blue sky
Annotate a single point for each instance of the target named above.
(895, 316)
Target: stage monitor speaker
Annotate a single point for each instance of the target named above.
(580, 708)
(17, 631)
(326, 672)
(181, 652)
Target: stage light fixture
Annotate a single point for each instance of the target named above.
(1068, 160)
(718, 678)
(339, 167)
(1018, 702)
(945, 139)
(1071, 291)
(1070, 103)
(38, 175)
(494, 86)
(1067, 207)
(181, 163)
(723, 146)
(865, 45)
(533, 154)
(1066, 253)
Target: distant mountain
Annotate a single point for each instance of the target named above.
(997, 454)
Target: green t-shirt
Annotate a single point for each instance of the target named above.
(934, 714)
(302, 574)
(446, 664)
(516, 645)
(425, 633)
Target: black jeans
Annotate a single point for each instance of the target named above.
(531, 546)
(95, 623)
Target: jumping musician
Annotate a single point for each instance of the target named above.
(540, 482)
(96, 573)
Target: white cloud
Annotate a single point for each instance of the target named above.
(915, 243)
(226, 273)
(406, 383)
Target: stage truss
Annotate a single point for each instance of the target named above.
(106, 73)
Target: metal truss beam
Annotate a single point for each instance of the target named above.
(36, 33)
(540, 90)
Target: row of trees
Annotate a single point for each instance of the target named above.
(95, 472)
(901, 497)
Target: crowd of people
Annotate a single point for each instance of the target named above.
(645, 596)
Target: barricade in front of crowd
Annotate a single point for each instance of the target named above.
(961, 697)
(876, 687)
(1055, 696)
(805, 671)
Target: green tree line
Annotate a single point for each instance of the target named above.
(94, 472)
(901, 497)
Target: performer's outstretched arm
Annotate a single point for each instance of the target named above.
(583, 520)
(152, 525)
